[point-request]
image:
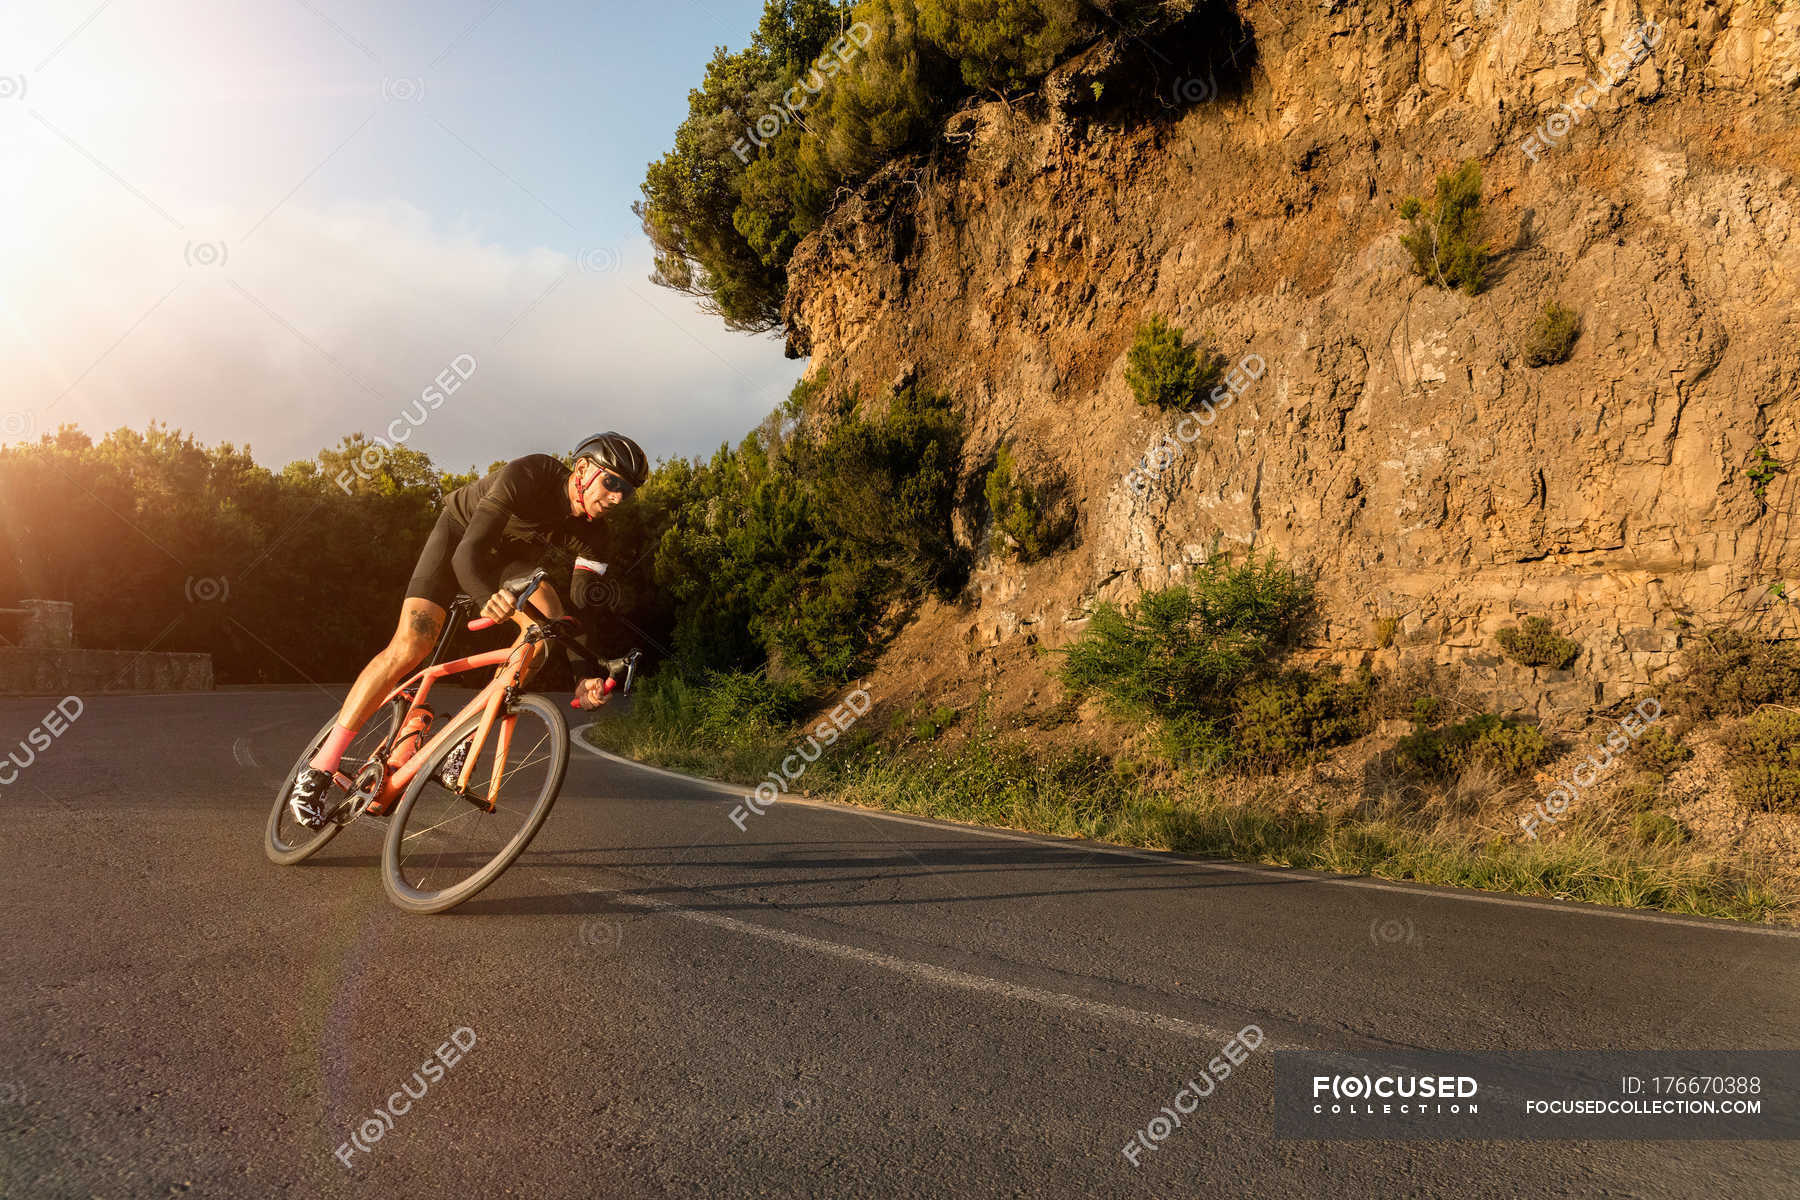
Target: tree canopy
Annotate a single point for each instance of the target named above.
(825, 94)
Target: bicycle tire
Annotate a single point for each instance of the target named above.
(286, 850)
(419, 899)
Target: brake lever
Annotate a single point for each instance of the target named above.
(606, 689)
(521, 600)
(611, 685)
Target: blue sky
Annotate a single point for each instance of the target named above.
(273, 223)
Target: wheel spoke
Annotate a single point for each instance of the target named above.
(289, 840)
(421, 833)
(439, 849)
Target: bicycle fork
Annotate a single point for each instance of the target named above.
(514, 673)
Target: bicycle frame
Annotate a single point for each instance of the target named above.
(517, 660)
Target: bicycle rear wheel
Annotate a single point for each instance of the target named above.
(443, 847)
(286, 840)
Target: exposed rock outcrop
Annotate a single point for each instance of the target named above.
(1397, 443)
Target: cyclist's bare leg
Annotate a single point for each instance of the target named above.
(545, 598)
(421, 622)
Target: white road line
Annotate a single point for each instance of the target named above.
(1171, 859)
(932, 973)
(724, 789)
(245, 756)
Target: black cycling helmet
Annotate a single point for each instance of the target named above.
(618, 453)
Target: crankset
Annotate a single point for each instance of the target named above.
(367, 787)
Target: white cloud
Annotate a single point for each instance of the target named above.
(266, 348)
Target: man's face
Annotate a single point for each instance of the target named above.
(592, 496)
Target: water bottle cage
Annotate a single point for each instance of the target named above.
(412, 736)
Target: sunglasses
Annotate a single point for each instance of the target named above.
(617, 483)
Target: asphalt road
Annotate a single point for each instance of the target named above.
(828, 1003)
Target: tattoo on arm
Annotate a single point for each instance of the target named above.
(423, 625)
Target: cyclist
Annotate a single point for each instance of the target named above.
(485, 535)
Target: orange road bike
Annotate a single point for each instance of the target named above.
(463, 803)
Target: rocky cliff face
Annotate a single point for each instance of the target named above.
(1246, 182)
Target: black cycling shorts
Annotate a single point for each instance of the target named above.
(434, 579)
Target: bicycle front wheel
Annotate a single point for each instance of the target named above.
(444, 846)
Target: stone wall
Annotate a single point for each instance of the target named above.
(86, 672)
(47, 624)
(45, 660)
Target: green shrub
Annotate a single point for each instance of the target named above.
(1165, 371)
(1767, 746)
(888, 481)
(1185, 655)
(1443, 239)
(1761, 472)
(1425, 693)
(723, 708)
(805, 395)
(1768, 787)
(1552, 337)
(1730, 673)
(1534, 642)
(1030, 520)
(1503, 744)
(1002, 45)
(1296, 716)
(1659, 751)
(1659, 830)
(1197, 741)
(803, 544)
(928, 727)
(1180, 651)
(732, 724)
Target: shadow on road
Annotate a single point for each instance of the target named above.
(1089, 874)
